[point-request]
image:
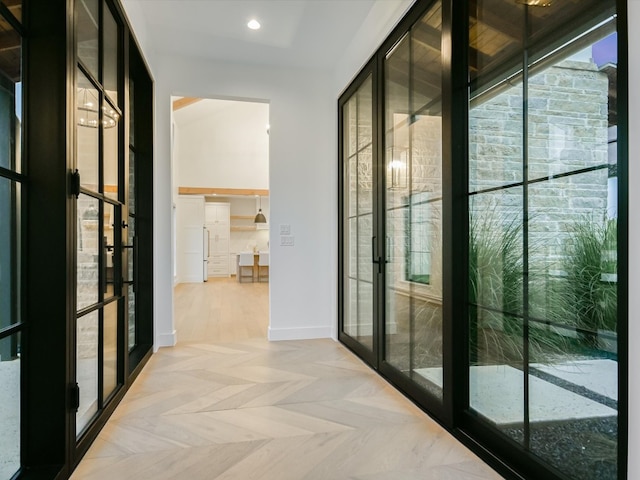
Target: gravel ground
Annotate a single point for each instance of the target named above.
(582, 449)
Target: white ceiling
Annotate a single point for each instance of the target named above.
(294, 33)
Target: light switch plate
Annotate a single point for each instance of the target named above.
(285, 229)
(286, 240)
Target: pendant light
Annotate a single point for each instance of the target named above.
(260, 218)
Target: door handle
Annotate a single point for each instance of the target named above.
(374, 248)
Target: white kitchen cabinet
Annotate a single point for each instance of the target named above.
(217, 224)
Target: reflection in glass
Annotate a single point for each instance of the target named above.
(10, 99)
(132, 183)
(132, 318)
(87, 121)
(9, 252)
(109, 248)
(110, 350)
(413, 159)
(573, 280)
(358, 211)
(543, 346)
(15, 7)
(110, 119)
(10, 359)
(88, 253)
(131, 256)
(88, 19)
(87, 368)
(132, 110)
(110, 49)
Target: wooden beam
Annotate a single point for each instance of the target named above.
(507, 21)
(184, 102)
(222, 191)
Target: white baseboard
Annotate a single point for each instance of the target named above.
(165, 340)
(299, 333)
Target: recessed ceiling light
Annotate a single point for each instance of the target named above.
(253, 24)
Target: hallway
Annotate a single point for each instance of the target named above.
(227, 404)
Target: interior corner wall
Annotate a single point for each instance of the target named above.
(382, 18)
(634, 240)
(303, 186)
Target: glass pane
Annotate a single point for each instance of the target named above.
(110, 72)
(130, 254)
(496, 139)
(350, 118)
(358, 212)
(351, 187)
(496, 379)
(495, 250)
(132, 183)
(87, 368)
(351, 307)
(413, 161)
(109, 251)
(88, 255)
(87, 20)
(10, 358)
(110, 349)
(573, 273)
(132, 318)
(132, 111)
(9, 252)
(496, 329)
(87, 119)
(10, 98)
(15, 7)
(110, 120)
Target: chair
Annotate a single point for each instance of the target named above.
(245, 264)
(263, 264)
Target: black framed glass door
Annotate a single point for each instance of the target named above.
(100, 213)
(391, 207)
(360, 260)
(497, 244)
(543, 236)
(413, 205)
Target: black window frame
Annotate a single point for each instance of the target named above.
(505, 457)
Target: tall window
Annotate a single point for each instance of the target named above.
(493, 193)
(99, 218)
(543, 234)
(12, 183)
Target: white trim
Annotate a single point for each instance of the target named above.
(165, 340)
(299, 333)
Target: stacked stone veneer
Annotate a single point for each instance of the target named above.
(567, 131)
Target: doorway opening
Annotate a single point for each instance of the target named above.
(220, 162)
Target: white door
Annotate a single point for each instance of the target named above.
(190, 247)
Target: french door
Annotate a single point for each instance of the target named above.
(101, 215)
(392, 211)
(483, 197)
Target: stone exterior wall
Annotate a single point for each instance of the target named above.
(567, 131)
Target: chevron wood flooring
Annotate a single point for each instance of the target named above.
(233, 408)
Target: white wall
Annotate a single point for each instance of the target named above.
(302, 173)
(634, 240)
(383, 17)
(223, 144)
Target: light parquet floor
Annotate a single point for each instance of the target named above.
(247, 409)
